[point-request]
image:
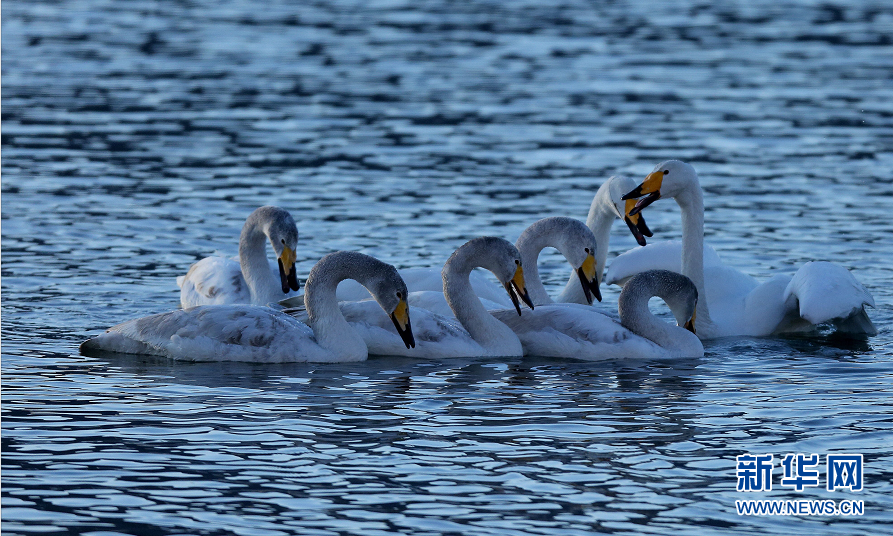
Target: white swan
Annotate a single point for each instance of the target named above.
(249, 278)
(734, 303)
(472, 332)
(606, 207)
(577, 331)
(261, 334)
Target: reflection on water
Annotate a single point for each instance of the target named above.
(138, 136)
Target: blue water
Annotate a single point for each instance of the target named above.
(137, 136)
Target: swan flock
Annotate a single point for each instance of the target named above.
(246, 308)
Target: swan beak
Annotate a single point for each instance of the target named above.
(636, 223)
(288, 275)
(690, 325)
(650, 188)
(400, 318)
(520, 289)
(587, 273)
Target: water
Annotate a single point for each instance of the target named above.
(138, 135)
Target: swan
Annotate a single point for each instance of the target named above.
(570, 330)
(249, 278)
(468, 331)
(260, 334)
(734, 303)
(606, 207)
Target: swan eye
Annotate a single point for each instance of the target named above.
(666, 172)
(399, 295)
(283, 241)
(586, 250)
(517, 262)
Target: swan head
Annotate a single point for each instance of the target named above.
(681, 296)
(503, 259)
(282, 231)
(389, 290)
(616, 187)
(668, 179)
(578, 245)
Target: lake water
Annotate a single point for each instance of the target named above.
(137, 136)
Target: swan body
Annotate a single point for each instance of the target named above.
(606, 207)
(469, 331)
(733, 303)
(260, 334)
(248, 278)
(578, 331)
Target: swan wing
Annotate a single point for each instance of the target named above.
(213, 281)
(660, 256)
(575, 332)
(827, 293)
(213, 333)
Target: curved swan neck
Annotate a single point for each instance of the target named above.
(253, 258)
(636, 317)
(329, 326)
(490, 333)
(530, 244)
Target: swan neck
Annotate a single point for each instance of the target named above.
(331, 329)
(530, 245)
(691, 203)
(600, 222)
(253, 261)
(494, 336)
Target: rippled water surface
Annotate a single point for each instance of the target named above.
(138, 135)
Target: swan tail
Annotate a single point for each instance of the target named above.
(116, 342)
(827, 293)
(856, 324)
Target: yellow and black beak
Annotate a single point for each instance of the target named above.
(587, 273)
(400, 318)
(650, 189)
(288, 275)
(636, 223)
(517, 281)
(690, 325)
